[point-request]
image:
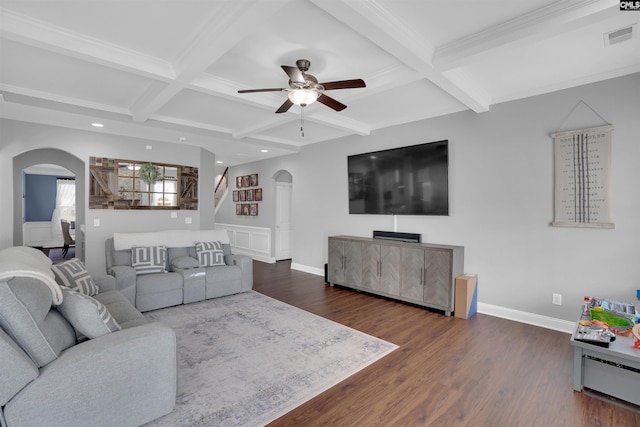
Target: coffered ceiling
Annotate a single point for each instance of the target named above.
(170, 70)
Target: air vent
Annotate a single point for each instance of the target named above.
(619, 36)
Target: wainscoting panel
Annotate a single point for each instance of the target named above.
(252, 241)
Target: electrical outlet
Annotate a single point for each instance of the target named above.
(557, 299)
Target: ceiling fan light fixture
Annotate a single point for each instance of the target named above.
(303, 97)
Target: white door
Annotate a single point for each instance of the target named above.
(283, 220)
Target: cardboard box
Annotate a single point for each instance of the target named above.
(466, 302)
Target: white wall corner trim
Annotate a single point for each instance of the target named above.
(528, 318)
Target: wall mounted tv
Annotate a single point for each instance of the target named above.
(411, 180)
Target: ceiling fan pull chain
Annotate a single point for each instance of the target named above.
(302, 121)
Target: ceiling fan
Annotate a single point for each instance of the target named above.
(304, 88)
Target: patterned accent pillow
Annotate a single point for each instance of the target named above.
(87, 315)
(149, 259)
(210, 254)
(73, 274)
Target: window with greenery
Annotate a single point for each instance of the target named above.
(127, 184)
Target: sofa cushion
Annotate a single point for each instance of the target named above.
(210, 254)
(221, 274)
(26, 316)
(155, 283)
(73, 274)
(88, 316)
(185, 262)
(149, 259)
(121, 309)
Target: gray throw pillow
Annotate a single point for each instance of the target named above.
(73, 274)
(87, 315)
(185, 262)
(149, 259)
(210, 253)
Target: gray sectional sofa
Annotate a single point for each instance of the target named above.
(67, 360)
(176, 267)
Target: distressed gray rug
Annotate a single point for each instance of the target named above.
(247, 359)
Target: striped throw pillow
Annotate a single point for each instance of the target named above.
(210, 253)
(149, 259)
(87, 315)
(73, 274)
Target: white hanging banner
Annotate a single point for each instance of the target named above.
(583, 178)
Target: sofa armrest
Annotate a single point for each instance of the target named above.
(125, 378)
(246, 265)
(125, 276)
(16, 370)
(105, 283)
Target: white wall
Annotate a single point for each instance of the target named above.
(501, 198)
(18, 137)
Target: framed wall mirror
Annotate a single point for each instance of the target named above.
(132, 184)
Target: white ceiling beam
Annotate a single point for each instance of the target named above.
(31, 32)
(337, 121)
(81, 103)
(373, 21)
(553, 19)
(232, 22)
(257, 127)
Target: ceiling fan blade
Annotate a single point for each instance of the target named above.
(344, 84)
(294, 73)
(275, 89)
(285, 106)
(331, 103)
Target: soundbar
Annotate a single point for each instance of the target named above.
(394, 235)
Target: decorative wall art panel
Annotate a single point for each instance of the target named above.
(583, 178)
(132, 184)
(246, 193)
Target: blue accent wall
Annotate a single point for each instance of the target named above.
(39, 197)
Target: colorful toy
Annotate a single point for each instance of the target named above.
(636, 333)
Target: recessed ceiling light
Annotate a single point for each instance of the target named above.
(264, 151)
(97, 125)
(219, 161)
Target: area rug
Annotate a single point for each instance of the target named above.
(247, 359)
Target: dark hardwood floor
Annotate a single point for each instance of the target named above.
(484, 371)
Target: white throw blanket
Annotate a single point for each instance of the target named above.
(168, 238)
(23, 261)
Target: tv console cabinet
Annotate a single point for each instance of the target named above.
(418, 273)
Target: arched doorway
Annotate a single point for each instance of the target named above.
(283, 228)
(54, 157)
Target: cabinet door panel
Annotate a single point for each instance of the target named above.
(412, 271)
(438, 277)
(390, 270)
(353, 263)
(370, 266)
(335, 269)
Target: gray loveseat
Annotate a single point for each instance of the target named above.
(124, 374)
(172, 269)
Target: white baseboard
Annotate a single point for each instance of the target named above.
(307, 269)
(491, 310)
(526, 317)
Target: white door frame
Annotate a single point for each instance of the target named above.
(283, 230)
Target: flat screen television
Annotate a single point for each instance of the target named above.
(411, 180)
